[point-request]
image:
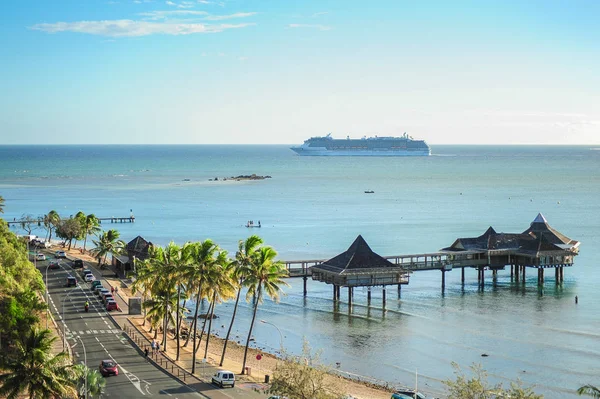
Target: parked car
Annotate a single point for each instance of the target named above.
(95, 284)
(407, 394)
(71, 281)
(111, 305)
(108, 367)
(54, 264)
(60, 254)
(102, 291)
(223, 378)
(77, 264)
(97, 288)
(106, 297)
(85, 271)
(89, 277)
(40, 257)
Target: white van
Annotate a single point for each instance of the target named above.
(223, 378)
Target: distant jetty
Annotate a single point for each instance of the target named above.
(253, 176)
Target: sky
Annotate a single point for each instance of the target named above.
(280, 71)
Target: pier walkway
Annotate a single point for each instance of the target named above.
(40, 221)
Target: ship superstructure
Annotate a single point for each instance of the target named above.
(371, 146)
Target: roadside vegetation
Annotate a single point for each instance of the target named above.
(27, 364)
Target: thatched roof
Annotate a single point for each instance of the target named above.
(359, 256)
(138, 247)
(540, 237)
(540, 227)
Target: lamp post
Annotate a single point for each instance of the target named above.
(63, 316)
(86, 369)
(278, 330)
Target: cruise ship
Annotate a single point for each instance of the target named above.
(371, 146)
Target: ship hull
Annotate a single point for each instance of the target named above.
(324, 152)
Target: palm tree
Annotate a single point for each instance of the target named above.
(107, 243)
(240, 268)
(589, 390)
(80, 217)
(1, 204)
(202, 255)
(220, 287)
(33, 370)
(160, 307)
(95, 381)
(51, 220)
(265, 276)
(90, 225)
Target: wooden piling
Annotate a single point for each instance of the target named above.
(399, 290)
(462, 276)
(369, 295)
(443, 280)
(383, 296)
(305, 280)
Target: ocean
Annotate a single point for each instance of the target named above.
(314, 207)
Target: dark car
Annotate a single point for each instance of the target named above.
(95, 283)
(54, 265)
(77, 264)
(71, 281)
(108, 367)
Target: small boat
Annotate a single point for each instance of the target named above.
(369, 191)
(253, 225)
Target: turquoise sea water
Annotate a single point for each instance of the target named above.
(315, 207)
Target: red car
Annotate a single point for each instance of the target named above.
(111, 305)
(108, 367)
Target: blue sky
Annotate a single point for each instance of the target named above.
(233, 71)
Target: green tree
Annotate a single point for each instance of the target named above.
(51, 222)
(69, 230)
(107, 243)
(240, 268)
(202, 256)
(478, 387)
(90, 226)
(589, 390)
(33, 370)
(219, 286)
(265, 276)
(29, 223)
(303, 377)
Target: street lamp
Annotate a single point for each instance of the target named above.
(86, 369)
(280, 334)
(63, 316)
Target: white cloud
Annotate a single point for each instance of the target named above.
(129, 28)
(155, 15)
(310, 26)
(318, 14)
(230, 16)
(170, 3)
(242, 58)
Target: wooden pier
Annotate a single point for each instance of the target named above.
(40, 221)
(540, 247)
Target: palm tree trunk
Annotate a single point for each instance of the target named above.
(177, 324)
(212, 312)
(237, 299)
(165, 323)
(194, 330)
(250, 332)
(204, 326)
(84, 241)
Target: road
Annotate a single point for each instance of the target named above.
(102, 340)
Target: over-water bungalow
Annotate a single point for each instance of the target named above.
(359, 266)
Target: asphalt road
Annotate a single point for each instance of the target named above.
(104, 340)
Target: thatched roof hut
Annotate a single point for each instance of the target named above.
(359, 266)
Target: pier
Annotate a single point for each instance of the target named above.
(40, 221)
(540, 247)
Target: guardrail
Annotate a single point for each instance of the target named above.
(160, 359)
